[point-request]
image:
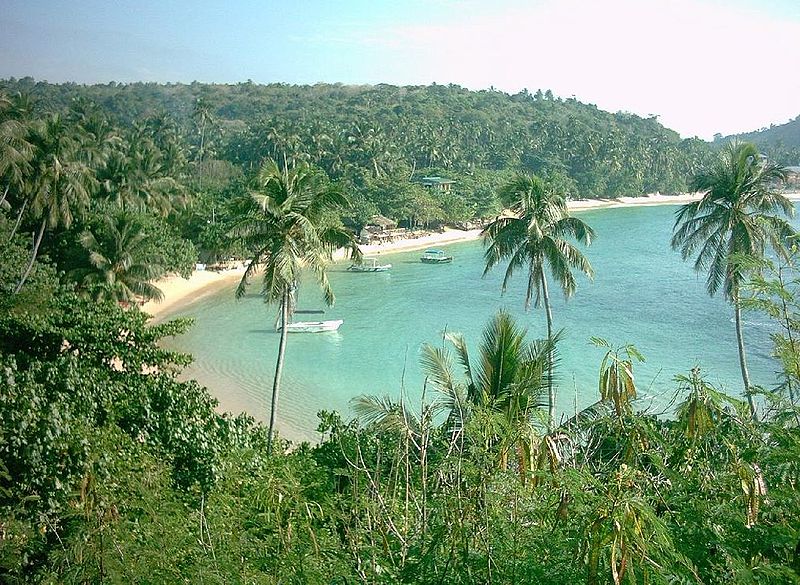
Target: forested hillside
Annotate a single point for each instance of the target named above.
(781, 143)
(368, 134)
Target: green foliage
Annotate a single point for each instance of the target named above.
(617, 384)
(384, 130)
(780, 143)
(772, 290)
(120, 473)
(15, 255)
(625, 538)
(65, 173)
(112, 469)
(208, 222)
(119, 268)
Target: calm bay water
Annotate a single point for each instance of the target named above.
(643, 293)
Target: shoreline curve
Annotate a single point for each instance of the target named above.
(180, 292)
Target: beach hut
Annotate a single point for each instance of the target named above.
(381, 222)
(377, 230)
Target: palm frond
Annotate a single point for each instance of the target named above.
(437, 366)
(385, 413)
(460, 345)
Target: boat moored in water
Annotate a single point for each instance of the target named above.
(314, 326)
(434, 256)
(369, 265)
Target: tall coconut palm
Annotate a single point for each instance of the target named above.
(288, 229)
(738, 216)
(203, 118)
(533, 236)
(122, 264)
(58, 184)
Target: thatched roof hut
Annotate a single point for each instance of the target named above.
(382, 222)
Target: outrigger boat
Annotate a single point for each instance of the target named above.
(369, 265)
(314, 326)
(434, 256)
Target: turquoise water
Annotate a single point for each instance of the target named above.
(643, 293)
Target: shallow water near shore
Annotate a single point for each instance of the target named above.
(643, 293)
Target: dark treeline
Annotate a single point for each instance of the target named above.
(178, 156)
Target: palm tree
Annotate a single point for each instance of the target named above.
(134, 177)
(15, 150)
(737, 217)
(58, 184)
(532, 236)
(121, 262)
(99, 136)
(203, 118)
(506, 385)
(15, 153)
(288, 229)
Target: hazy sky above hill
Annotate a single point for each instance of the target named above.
(702, 66)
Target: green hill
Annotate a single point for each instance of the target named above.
(781, 142)
(384, 130)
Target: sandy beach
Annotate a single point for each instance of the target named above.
(652, 199)
(179, 292)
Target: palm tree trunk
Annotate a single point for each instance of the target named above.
(35, 252)
(737, 310)
(202, 144)
(19, 220)
(276, 383)
(551, 393)
(787, 325)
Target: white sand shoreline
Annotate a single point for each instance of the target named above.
(179, 292)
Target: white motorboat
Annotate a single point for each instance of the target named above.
(434, 256)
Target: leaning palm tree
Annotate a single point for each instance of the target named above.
(58, 184)
(737, 217)
(121, 262)
(289, 228)
(533, 237)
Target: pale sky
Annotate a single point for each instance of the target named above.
(701, 66)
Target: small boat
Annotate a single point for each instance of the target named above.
(314, 326)
(434, 256)
(369, 265)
